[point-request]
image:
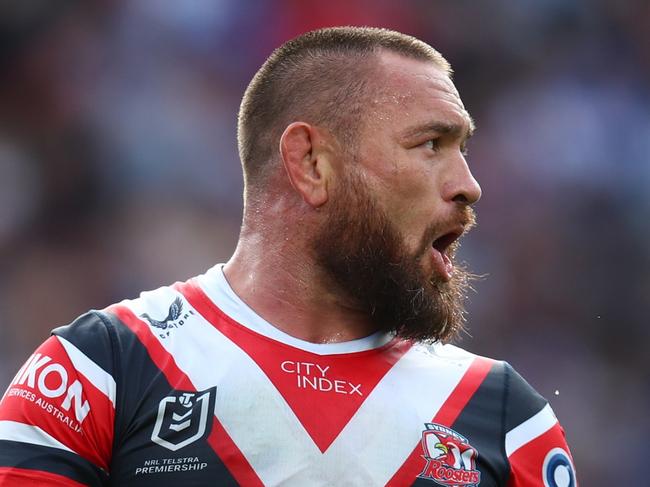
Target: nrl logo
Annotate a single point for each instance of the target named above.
(183, 417)
(451, 460)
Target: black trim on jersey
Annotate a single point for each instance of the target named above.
(141, 386)
(52, 460)
(91, 339)
(522, 401)
(481, 422)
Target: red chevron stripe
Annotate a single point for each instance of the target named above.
(446, 416)
(322, 415)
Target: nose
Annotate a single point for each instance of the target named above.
(461, 186)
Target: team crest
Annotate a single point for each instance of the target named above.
(183, 417)
(451, 460)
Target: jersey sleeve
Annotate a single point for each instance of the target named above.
(57, 416)
(535, 443)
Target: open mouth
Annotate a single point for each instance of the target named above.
(440, 252)
(441, 244)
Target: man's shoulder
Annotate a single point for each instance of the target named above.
(117, 326)
(158, 306)
(96, 321)
(438, 352)
(499, 372)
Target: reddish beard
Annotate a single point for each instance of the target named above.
(364, 256)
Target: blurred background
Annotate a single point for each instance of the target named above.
(119, 173)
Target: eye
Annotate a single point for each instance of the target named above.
(432, 144)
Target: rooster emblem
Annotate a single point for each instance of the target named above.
(175, 310)
(452, 454)
(450, 459)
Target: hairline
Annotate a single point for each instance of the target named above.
(366, 65)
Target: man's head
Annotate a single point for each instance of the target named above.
(323, 77)
(369, 130)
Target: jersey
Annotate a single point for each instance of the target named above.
(187, 385)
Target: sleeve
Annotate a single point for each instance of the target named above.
(535, 443)
(57, 416)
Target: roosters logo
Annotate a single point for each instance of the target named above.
(451, 460)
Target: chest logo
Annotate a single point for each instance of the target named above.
(451, 460)
(175, 318)
(183, 417)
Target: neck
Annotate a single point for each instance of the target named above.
(277, 277)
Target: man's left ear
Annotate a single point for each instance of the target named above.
(306, 156)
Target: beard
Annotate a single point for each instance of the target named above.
(364, 255)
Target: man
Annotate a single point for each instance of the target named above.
(316, 355)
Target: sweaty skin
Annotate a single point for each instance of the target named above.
(409, 154)
(417, 180)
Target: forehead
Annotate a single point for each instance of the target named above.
(414, 93)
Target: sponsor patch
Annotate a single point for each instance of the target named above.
(49, 384)
(557, 470)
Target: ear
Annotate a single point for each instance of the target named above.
(306, 159)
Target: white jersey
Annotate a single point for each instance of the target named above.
(187, 385)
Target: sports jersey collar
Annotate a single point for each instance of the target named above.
(215, 285)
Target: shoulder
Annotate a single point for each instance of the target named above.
(492, 384)
(447, 356)
(157, 303)
(159, 311)
(96, 330)
(522, 398)
(88, 335)
(445, 352)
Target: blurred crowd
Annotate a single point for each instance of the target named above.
(119, 173)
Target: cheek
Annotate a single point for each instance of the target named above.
(407, 190)
(411, 219)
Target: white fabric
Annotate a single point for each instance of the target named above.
(101, 379)
(24, 433)
(530, 429)
(256, 415)
(215, 285)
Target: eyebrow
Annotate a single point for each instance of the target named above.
(442, 128)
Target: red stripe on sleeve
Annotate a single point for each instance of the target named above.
(527, 463)
(446, 416)
(39, 397)
(218, 439)
(12, 476)
(99, 429)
